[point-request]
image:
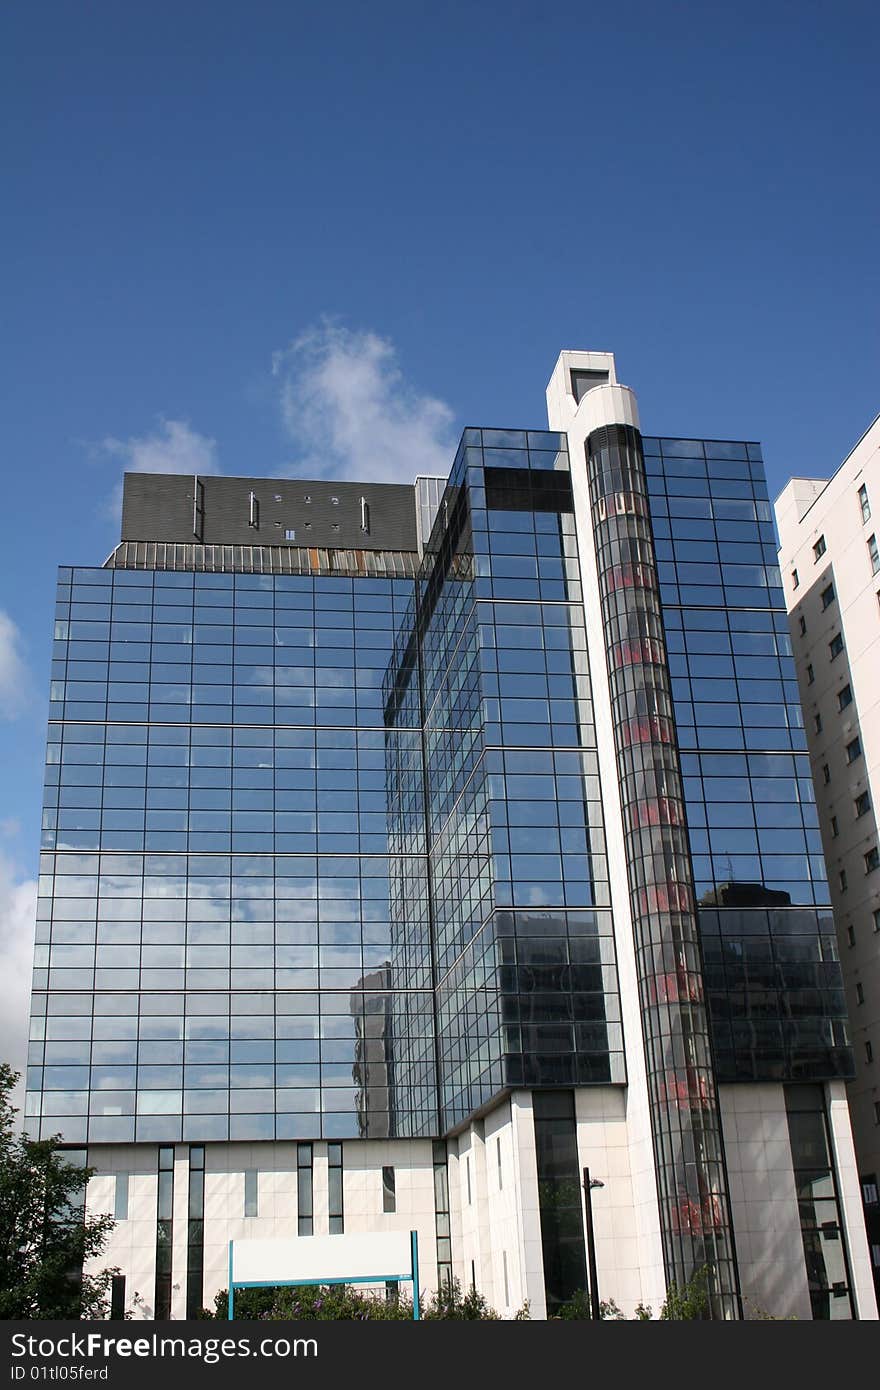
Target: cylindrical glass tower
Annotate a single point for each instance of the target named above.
(692, 1186)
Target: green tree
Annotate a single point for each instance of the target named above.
(449, 1302)
(44, 1234)
(690, 1302)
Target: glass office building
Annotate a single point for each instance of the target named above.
(408, 848)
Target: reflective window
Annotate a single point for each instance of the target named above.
(756, 849)
(389, 1191)
(561, 1203)
(335, 1189)
(216, 829)
(514, 806)
(164, 1233)
(195, 1253)
(822, 1227)
(251, 1192)
(120, 1204)
(854, 750)
(304, 1195)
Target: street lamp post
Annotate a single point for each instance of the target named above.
(589, 1184)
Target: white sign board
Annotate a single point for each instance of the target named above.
(384, 1255)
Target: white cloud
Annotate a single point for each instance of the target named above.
(174, 447)
(14, 680)
(18, 901)
(351, 414)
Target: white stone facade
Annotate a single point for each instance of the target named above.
(493, 1190)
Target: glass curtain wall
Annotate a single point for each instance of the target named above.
(773, 979)
(493, 657)
(214, 953)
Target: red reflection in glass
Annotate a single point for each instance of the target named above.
(647, 728)
(630, 576)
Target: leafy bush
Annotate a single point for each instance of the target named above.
(311, 1303)
(344, 1303)
(449, 1302)
(688, 1302)
(576, 1309)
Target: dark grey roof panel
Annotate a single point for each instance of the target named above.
(294, 511)
(263, 559)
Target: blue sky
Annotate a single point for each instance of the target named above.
(268, 236)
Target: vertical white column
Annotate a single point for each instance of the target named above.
(320, 1190)
(525, 1176)
(180, 1228)
(612, 404)
(851, 1201)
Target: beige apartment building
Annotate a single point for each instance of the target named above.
(829, 555)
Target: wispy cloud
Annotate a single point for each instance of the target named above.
(14, 675)
(173, 447)
(350, 413)
(18, 901)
